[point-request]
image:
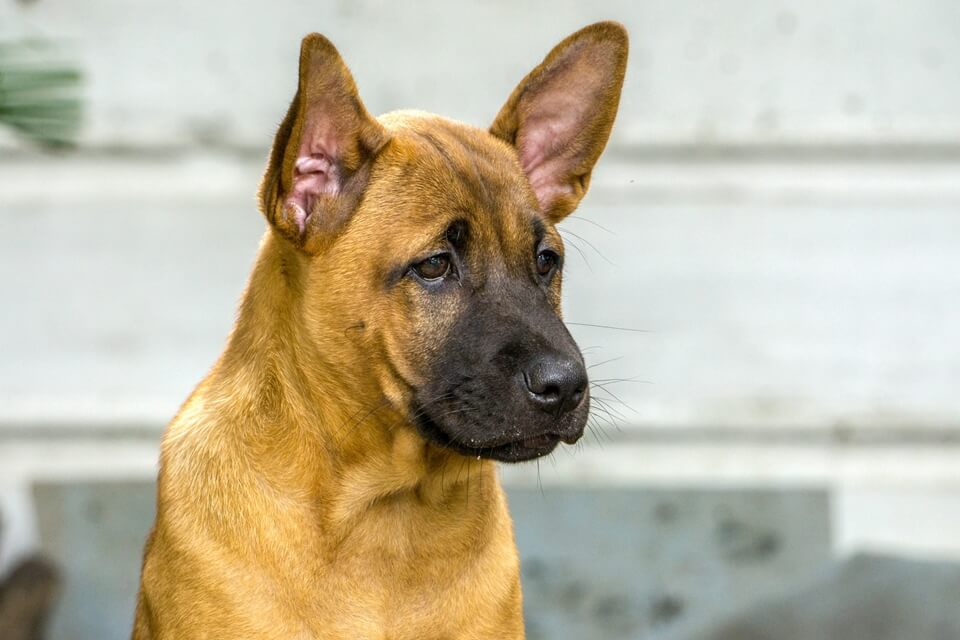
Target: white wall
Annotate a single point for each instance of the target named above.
(802, 71)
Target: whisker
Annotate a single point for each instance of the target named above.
(611, 418)
(594, 223)
(589, 244)
(600, 364)
(603, 382)
(618, 399)
(539, 481)
(595, 435)
(347, 431)
(582, 254)
(613, 413)
(607, 326)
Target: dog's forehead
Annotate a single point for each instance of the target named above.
(440, 160)
(434, 172)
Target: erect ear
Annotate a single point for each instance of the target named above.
(321, 157)
(559, 117)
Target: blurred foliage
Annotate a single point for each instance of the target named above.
(39, 94)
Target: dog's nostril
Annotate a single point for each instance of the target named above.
(549, 391)
(555, 383)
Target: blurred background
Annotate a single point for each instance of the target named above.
(771, 245)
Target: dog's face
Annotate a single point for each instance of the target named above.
(466, 284)
(431, 246)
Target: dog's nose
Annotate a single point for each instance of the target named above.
(556, 383)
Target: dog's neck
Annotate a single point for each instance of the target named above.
(314, 432)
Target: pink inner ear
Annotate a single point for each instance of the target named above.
(556, 115)
(314, 174)
(541, 147)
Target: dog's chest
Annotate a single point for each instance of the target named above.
(403, 577)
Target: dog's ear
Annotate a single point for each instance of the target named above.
(321, 157)
(560, 116)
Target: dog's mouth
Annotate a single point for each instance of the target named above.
(514, 450)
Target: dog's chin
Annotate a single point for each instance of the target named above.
(519, 450)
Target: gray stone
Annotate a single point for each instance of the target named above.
(601, 564)
(865, 598)
(598, 564)
(95, 533)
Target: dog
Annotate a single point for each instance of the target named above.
(334, 474)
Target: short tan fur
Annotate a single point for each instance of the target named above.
(297, 498)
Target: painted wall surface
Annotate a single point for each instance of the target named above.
(212, 73)
(749, 307)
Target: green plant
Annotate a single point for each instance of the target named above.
(39, 95)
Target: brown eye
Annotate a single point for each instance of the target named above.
(546, 262)
(434, 267)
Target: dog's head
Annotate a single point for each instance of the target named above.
(428, 255)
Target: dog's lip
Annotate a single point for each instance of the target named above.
(515, 450)
(548, 437)
(522, 450)
(544, 442)
(536, 442)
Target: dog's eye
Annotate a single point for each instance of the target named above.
(546, 262)
(434, 267)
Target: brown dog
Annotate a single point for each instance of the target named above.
(333, 475)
